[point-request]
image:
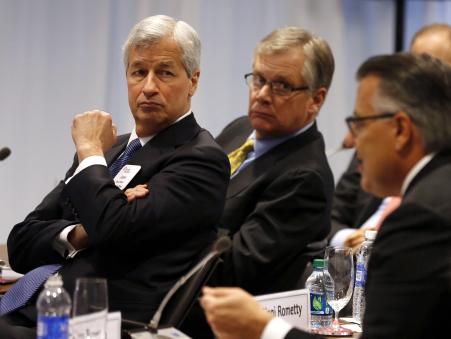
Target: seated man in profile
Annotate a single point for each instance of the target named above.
(354, 210)
(402, 132)
(87, 226)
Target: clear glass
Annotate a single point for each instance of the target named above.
(338, 283)
(91, 296)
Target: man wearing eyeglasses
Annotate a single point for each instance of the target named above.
(354, 210)
(402, 132)
(279, 198)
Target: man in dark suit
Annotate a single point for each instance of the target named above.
(352, 207)
(279, 197)
(180, 175)
(402, 131)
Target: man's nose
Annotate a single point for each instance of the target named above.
(349, 140)
(264, 93)
(150, 84)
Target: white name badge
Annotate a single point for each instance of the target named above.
(125, 175)
(292, 306)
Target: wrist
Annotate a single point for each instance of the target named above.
(84, 151)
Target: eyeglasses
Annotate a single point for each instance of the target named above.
(355, 124)
(257, 82)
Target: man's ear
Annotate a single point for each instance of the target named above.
(194, 82)
(404, 132)
(316, 101)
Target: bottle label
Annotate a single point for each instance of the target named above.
(360, 275)
(53, 327)
(319, 305)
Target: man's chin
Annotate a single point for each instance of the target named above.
(260, 124)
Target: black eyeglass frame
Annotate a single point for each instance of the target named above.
(352, 120)
(248, 79)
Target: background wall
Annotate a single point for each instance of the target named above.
(62, 57)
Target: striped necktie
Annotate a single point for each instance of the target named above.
(25, 287)
(120, 162)
(238, 156)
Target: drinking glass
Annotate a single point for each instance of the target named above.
(91, 298)
(338, 284)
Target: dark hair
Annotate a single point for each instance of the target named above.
(418, 85)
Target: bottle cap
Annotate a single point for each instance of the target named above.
(370, 234)
(54, 280)
(318, 263)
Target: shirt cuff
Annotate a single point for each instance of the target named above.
(277, 328)
(89, 161)
(339, 238)
(63, 246)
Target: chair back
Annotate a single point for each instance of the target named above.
(183, 300)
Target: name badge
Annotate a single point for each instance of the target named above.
(125, 175)
(292, 306)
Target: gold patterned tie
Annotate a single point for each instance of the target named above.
(237, 157)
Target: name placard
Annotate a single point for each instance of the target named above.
(292, 306)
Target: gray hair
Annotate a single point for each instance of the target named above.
(319, 62)
(154, 28)
(418, 85)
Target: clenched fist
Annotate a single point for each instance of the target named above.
(93, 133)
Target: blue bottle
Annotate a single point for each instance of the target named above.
(53, 307)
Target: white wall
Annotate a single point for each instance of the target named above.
(62, 57)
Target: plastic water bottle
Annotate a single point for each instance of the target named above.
(362, 257)
(320, 311)
(53, 307)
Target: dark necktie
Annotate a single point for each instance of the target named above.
(25, 287)
(120, 162)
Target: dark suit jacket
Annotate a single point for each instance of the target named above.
(351, 206)
(141, 247)
(275, 207)
(408, 288)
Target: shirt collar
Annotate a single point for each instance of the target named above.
(145, 140)
(264, 145)
(415, 170)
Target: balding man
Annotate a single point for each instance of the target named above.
(434, 40)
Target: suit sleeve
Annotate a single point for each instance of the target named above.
(177, 203)
(345, 200)
(351, 205)
(291, 212)
(30, 241)
(406, 275)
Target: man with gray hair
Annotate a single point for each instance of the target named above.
(354, 210)
(279, 198)
(93, 224)
(402, 131)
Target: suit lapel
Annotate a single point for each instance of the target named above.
(262, 164)
(437, 161)
(163, 143)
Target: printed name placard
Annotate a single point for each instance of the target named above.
(292, 306)
(92, 325)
